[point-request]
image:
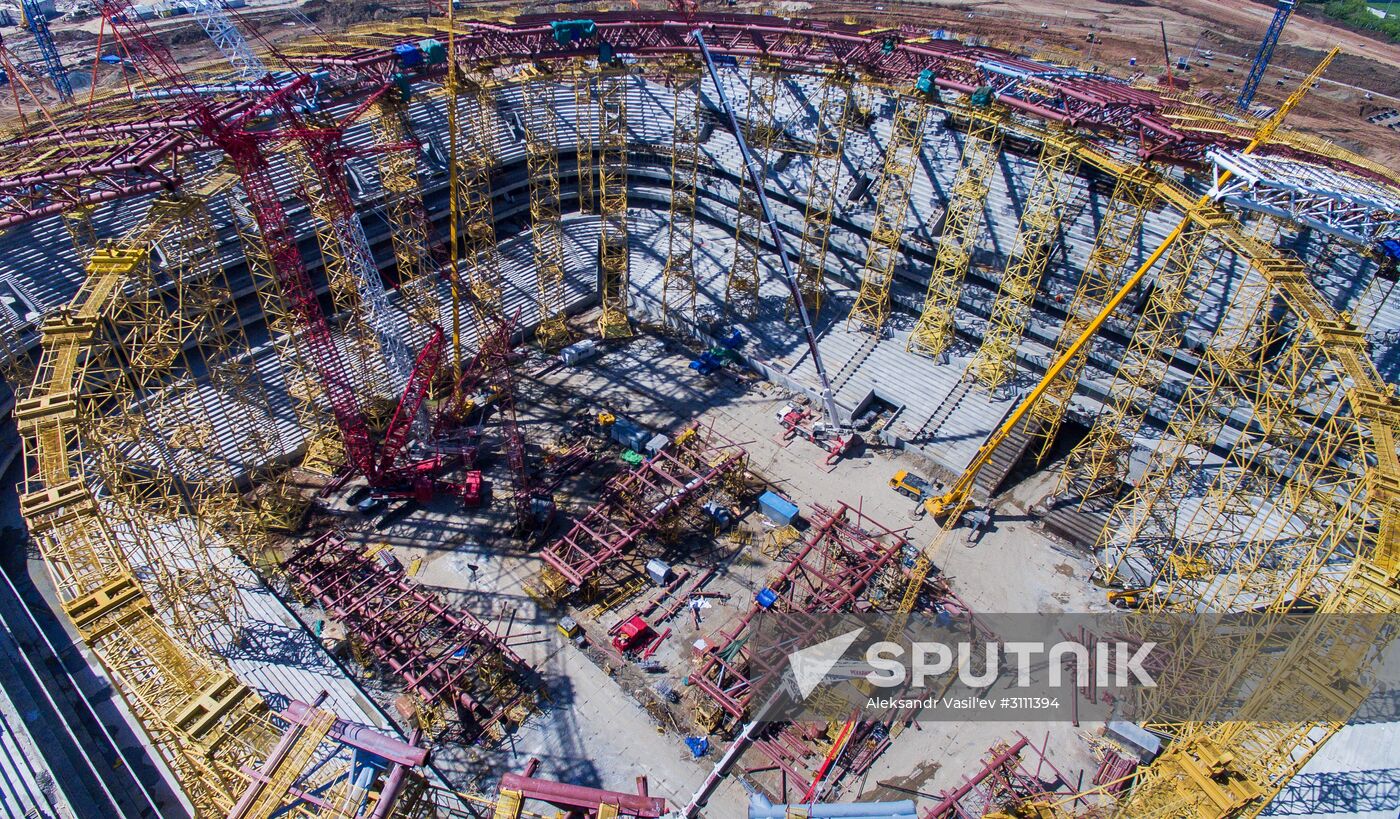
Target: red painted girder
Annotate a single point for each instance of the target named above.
(424, 371)
(1092, 102)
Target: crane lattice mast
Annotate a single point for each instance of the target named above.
(38, 25)
(1282, 12)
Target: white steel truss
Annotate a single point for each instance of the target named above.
(1329, 200)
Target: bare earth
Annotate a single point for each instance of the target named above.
(1231, 29)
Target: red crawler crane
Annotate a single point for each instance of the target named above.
(244, 149)
(487, 383)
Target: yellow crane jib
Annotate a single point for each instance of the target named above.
(958, 499)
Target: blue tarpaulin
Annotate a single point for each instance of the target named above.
(409, 55)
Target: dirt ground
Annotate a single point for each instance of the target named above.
(1232, 30)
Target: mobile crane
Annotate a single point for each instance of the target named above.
(828, 432)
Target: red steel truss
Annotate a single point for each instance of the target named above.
(638, 502)
(75, 162)
(447, 657)
(833, 566)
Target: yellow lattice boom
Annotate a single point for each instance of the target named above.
(1107, 265)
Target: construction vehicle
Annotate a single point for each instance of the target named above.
(1129, 598)
(798, 422)
(911, 486)
(423, 484)
(830, 433)
(632, 635)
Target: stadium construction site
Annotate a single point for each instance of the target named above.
(416, 420)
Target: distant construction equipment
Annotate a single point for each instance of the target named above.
(1282, 12)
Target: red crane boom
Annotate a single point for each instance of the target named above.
(244, 150)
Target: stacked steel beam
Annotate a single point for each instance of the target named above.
(454, 663)
(576, 800)
(641, 501)
(842, 557)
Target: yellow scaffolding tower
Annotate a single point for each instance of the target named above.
(1100, 461)
(325, 451)
(613, 259)
(139, 357)
(872, 304)
(586, 132)
(994, 363)
(542, 161)
(403, 205)
(474, 195)
(962, 225)
(78, 223)
(742, 284)
(678, 278)
(236, 390)
(1286, 504)
(1107, 264)
(1143, 527)
(204, 723)
(833, 111)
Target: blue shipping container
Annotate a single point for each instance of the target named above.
(630, 435)
(777, 508)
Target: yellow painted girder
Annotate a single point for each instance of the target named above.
(962, 225)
